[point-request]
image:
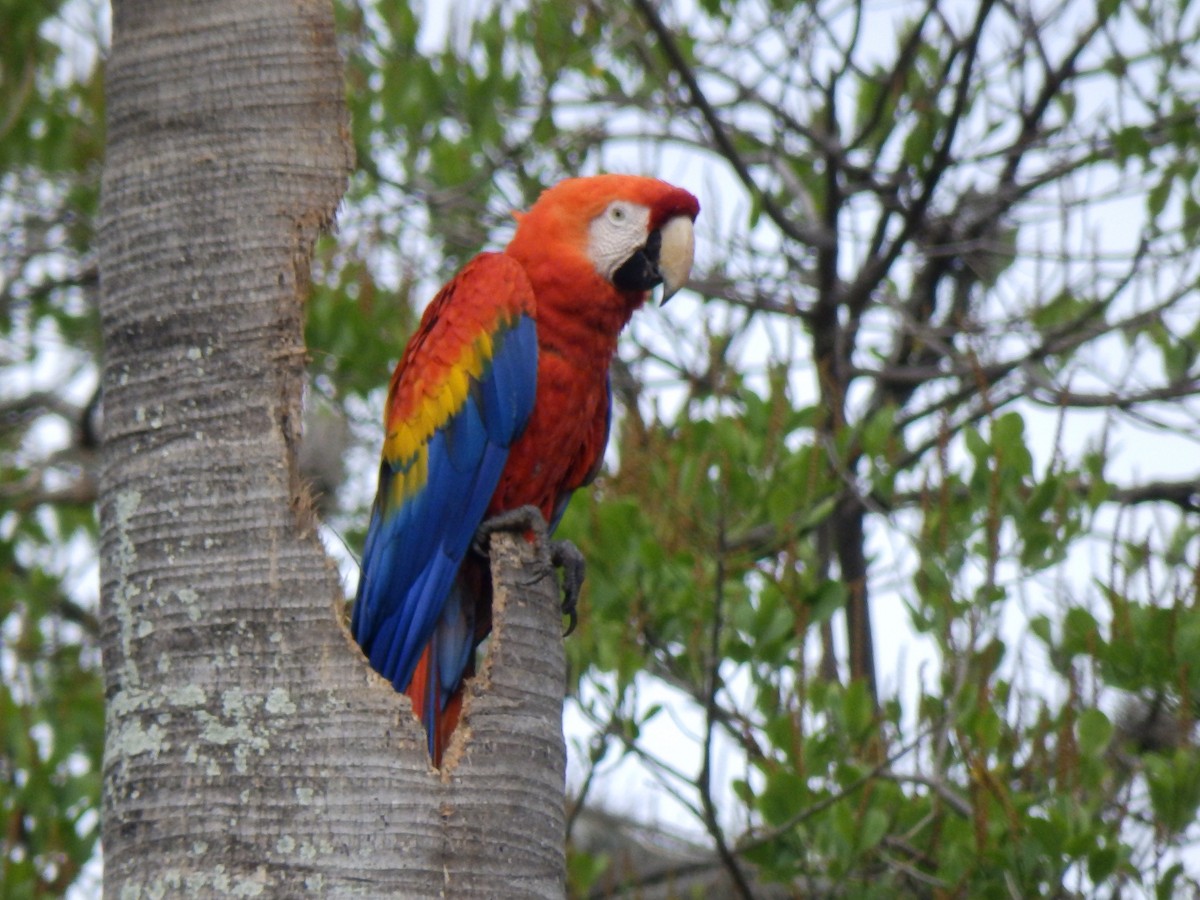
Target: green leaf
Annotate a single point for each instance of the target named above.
(828, 598)
(782, 795)
(879, 431)
(1165, 889)
(1130, 142)
(1049, 833)
(858, 709)
(1040, 626)
(1081, 633)
(1093, 732)
(584, 870)
(1063, 309)
(874, 826)
(976, 445)
(1157, 196)
(1008, 432)
(1174, 783)
(1102, 862)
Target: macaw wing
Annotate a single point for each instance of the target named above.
(462, 393)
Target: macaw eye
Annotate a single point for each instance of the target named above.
(617, 214)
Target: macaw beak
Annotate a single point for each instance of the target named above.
(675, 256)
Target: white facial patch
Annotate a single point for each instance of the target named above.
(616, 234)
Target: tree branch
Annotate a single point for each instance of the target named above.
(810, 237)
(704, 782)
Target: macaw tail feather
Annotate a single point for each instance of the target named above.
(436, 685)
(438, 717)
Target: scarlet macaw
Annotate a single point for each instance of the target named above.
(501, 400)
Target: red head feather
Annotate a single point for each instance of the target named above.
(570, 205)
(552, 238)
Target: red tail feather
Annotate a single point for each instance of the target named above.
(423, 694)
(446, 724)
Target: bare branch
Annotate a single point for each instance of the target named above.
(808, 236)
(704, 781)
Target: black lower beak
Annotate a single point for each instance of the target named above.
(640, 272)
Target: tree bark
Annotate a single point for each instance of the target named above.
(249, 749)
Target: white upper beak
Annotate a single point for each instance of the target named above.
(675, 255)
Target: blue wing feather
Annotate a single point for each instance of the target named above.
(412, 554)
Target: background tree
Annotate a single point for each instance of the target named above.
(919, 570)
(51, 715)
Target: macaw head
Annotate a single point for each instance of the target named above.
(623, 235)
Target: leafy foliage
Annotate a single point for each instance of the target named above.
(51, 713)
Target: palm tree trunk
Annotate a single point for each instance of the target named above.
(249, 748)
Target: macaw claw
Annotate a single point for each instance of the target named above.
(566, 556)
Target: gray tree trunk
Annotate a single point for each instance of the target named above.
(249, 749)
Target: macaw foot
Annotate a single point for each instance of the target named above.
(523, 518)
(563, 554)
